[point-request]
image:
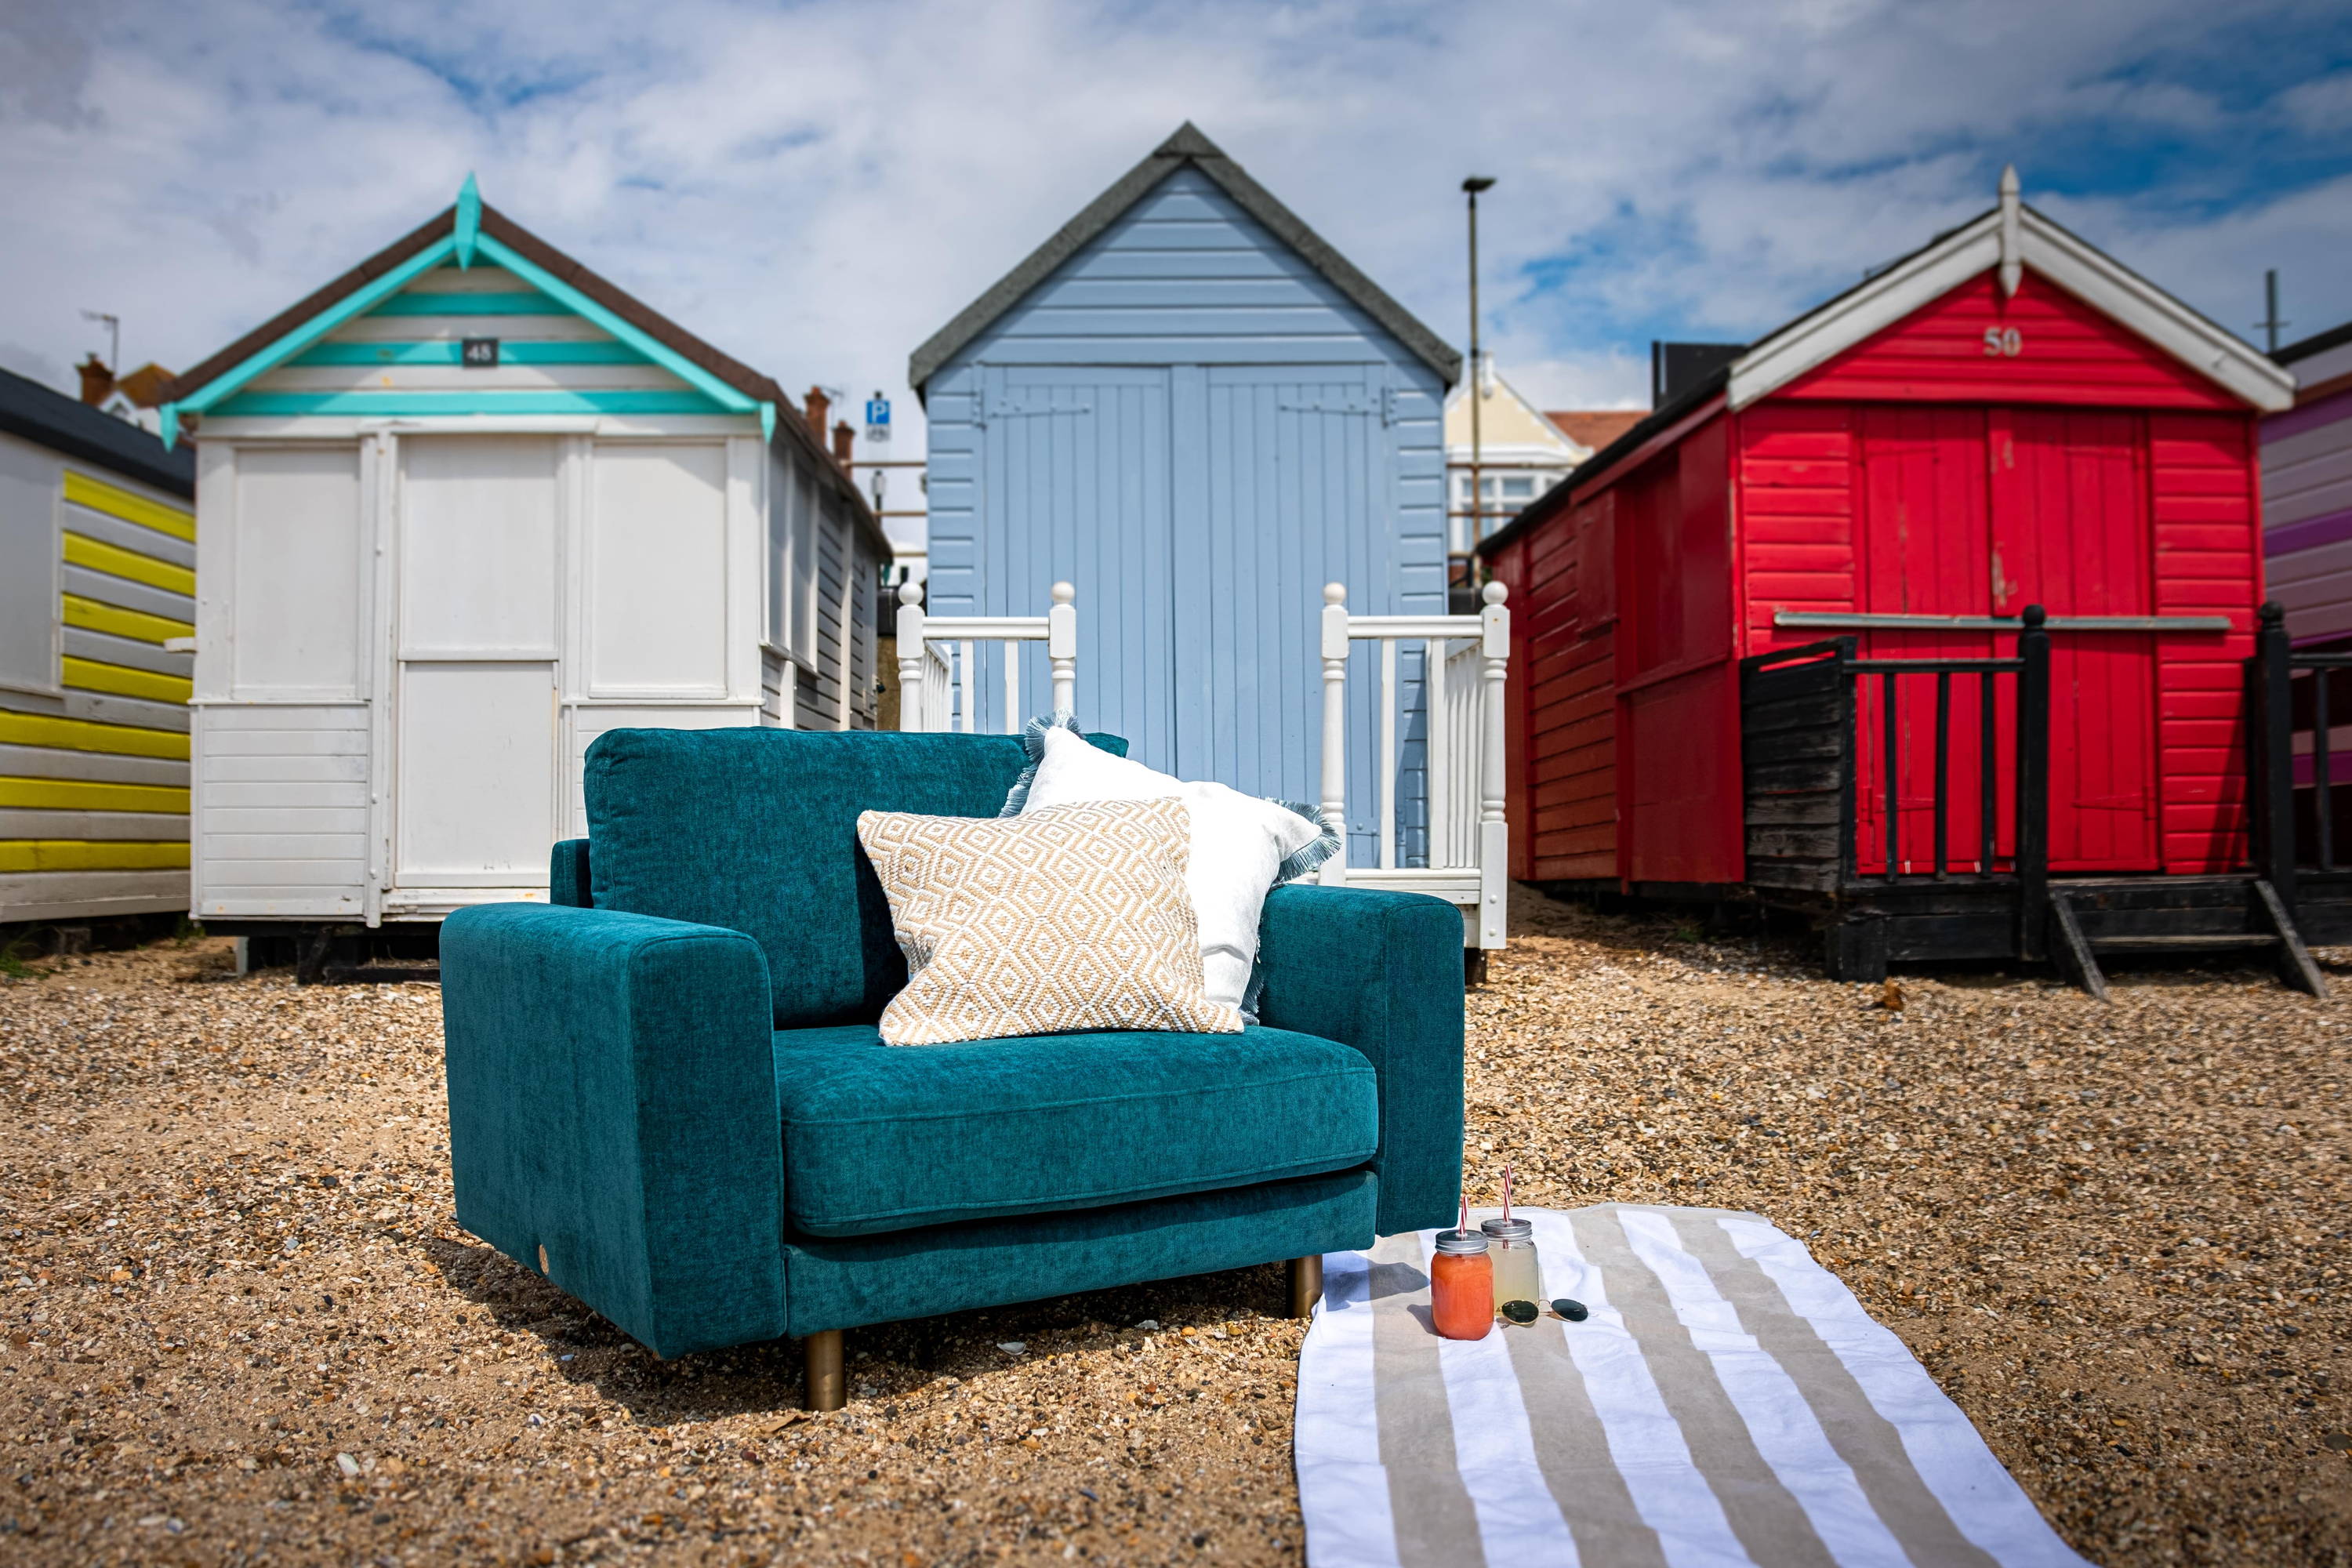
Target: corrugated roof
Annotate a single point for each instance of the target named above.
(1188, 145)
(76, 429)
(610, 295)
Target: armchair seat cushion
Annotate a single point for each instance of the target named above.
(881, 1139)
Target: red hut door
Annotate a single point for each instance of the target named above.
(1925, 551)
(2070, 527)
(1966, 511)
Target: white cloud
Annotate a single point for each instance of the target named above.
(2321, 106)
(816, 189)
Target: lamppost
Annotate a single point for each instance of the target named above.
(1471, 188)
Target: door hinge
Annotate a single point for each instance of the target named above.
(1021, 408)
(1342, 403)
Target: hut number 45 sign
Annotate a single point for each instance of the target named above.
(877, 418)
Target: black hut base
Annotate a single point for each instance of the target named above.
(2085, 922)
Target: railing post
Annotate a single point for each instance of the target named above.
(1849, 751)
(1388, 754)
(1062, 647)
(2273, 814)
(910, 655)
(1334, 804)
(1494, 829)
(2032, 785)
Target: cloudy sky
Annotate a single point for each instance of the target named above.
(816, 187)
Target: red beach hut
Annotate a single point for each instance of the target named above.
(1777, 641)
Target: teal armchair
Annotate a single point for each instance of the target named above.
(667, 1094)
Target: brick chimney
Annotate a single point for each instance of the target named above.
(819, 409)
(97, 381)
(843, 435)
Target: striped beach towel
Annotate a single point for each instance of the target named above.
(1727, 1402)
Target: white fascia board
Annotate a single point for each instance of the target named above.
(1820, 338)
(2087, 274)
(2135, 302)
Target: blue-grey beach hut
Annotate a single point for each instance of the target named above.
(1190, 407)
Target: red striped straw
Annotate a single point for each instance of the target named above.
(1506, 1193)
(1464, 1226)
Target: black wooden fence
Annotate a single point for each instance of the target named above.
(1800, 754)
(2294, 692)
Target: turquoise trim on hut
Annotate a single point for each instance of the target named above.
(448, 351)
(225, 394)
(660, 353)
(468, 233)
(471, 305)
(357, 302)
(490, 400)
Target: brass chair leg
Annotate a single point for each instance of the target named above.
(821, 1363)
(1306, 1284)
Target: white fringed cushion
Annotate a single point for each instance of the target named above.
(1240, 844)
(1073, 918)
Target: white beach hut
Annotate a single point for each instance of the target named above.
(460, 511)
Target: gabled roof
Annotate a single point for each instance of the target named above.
(1510, 423)
(1187, 146)
(458, 232)
(2012, 238)
(77, 430)
(1594, 427)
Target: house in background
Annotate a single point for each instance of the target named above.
(1190, 407)
(463, 509)
(1521, 452)
(98, 561)
(2307, 492)
(1589, 430)
(2005, 418)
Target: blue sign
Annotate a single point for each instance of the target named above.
(877, 410)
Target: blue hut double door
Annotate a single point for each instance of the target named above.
(1199, 510)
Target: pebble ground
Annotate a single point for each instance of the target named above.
(241, 1325)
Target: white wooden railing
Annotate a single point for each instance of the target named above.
(1464, 661)
(939, 662)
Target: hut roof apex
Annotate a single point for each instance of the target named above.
(1186, 145)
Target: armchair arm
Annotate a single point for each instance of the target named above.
(567, 874)
(612, 1101)
(1380, 971)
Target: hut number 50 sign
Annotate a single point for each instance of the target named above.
(2003, 342)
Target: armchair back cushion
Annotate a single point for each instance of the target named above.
(755, 830)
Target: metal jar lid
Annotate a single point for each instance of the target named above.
(1511, 1229)
(1460, 1241)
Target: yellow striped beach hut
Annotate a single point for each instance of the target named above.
(98, 584)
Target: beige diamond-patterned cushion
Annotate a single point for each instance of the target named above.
(1070, 916)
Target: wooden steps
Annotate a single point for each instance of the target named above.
(2200, 943)
(2182, 916)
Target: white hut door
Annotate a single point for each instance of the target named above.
(475, 710)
